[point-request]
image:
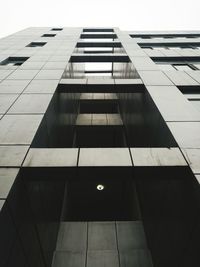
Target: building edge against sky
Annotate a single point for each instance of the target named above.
(99, 148)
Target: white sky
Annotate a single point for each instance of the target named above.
(126, 14)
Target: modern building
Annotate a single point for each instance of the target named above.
(99, 148)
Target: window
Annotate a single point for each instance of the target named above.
(57, 29)
(14, 61)
(164, 36)
(185, 64)
(98, 30)
(36, 44)
(169, 45)
(48, 35)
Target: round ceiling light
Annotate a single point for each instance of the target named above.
(100, 187)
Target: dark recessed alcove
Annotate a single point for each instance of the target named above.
(142, 123)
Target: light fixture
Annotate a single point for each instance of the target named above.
(100, 187)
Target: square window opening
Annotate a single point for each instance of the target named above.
(14, 61)
(48, 35)
(36, 44)
(57, 29)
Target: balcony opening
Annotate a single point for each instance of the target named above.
(111, 66)
(77, 118)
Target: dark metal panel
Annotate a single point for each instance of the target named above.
(7, 232)
(22, 216)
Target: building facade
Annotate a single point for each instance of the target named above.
(99, 148)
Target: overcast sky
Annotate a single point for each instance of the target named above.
(126, 14)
